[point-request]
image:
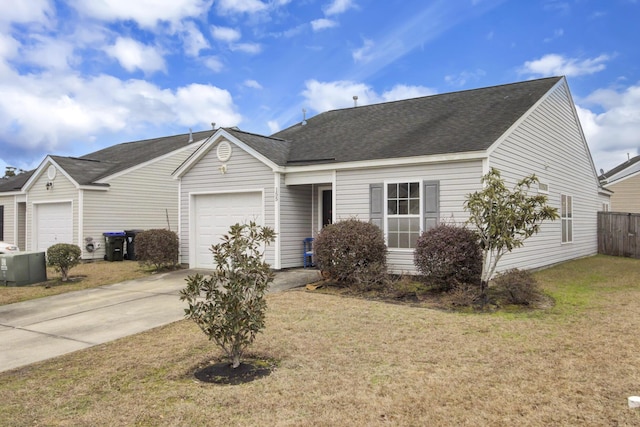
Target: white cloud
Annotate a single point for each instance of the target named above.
(252, 84)
(556, 34)
(225, 34)
(52, 113)
(49, 53)
(37, 11)
(612, 125)
(462, 78)
(558, 65)
(338, 6)
(8, 47)
(251, 48)
(147, 13)
(325, 96)
(322, 24)
(193, 39)
(133, 55)
(213, 63)
(364, 53)
(240, 6)
(273, 126)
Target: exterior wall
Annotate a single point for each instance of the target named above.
(21, 221)
(9, 220)
(141, 199)
(63, 190)
(456, 180)
(549, 143)
(244, 172)
(296, 207)
(626, 196)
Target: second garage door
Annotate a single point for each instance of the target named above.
(214, 214)
(53, 224)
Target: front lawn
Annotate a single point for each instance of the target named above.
(344, 361)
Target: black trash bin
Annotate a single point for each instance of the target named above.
(114, 245)
(131, 244)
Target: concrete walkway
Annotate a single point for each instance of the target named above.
(43, 328)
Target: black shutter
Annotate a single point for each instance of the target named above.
(1, 222)
(376, 204)
(431, 204)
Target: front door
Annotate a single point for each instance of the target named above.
(326, 207)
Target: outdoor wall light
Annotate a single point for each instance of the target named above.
(49, 185)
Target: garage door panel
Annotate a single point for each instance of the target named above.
(215, 214)
(54, 225)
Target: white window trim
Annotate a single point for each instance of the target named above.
(569, 220)
(420, 182)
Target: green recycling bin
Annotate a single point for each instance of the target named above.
(114, 245)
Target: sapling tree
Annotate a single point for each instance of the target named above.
(229, 305)
(505, 218)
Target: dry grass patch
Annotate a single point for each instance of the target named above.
(85, 275)
(346, 361)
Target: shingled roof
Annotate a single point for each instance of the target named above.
(619, 168)
(88, 169)
(454, 122)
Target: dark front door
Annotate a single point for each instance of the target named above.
(327, 204)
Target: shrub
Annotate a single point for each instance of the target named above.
(518, 286)
(157, 248)
(63, 257)
(447, 255)
(229, 306)
(352, 252)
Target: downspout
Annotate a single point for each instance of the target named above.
(276, 227)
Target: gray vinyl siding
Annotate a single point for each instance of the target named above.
(296, 213)
(456, 180)
(549, 143)
(63, 190)
(244, 172)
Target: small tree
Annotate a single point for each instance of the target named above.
(229, 306)
(63, 257)
(505, 218)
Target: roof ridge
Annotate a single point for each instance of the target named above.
(235, 129)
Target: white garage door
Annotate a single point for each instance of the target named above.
(53, 224)
(215, 214)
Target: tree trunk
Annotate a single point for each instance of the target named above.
(484, 299)
(235, 361)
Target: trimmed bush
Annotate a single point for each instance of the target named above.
(353, 253)
(157, 248)
(448, 255)
(63, 257)
(518, 286)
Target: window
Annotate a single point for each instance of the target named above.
(404, 209)
(566, 215)
(543, 188)
(403, 214)
(605, 207)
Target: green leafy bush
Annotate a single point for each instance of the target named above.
(157, 248)
(63, 257)
(447, 255)
(518, 286)
(352, 252)
(229, 306)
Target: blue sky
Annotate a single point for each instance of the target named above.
(77, 76)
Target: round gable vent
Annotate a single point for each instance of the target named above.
(51, 172)
(224, 151)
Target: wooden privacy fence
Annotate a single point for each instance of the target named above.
(618, 234)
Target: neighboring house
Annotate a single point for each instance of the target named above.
(624, 182)
(405, 165)
(76, 199)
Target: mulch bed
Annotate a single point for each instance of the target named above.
(224, 373)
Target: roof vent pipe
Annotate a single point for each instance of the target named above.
(213, 125)
(190, 135)
(304, 117)
(355, 100)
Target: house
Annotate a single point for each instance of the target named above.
(76, 199)
(404, 165)
(624, 182)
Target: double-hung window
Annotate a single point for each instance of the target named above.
(566, 216)
(403, 214)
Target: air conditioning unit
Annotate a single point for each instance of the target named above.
(22, 268)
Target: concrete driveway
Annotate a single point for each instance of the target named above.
(43, 328)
